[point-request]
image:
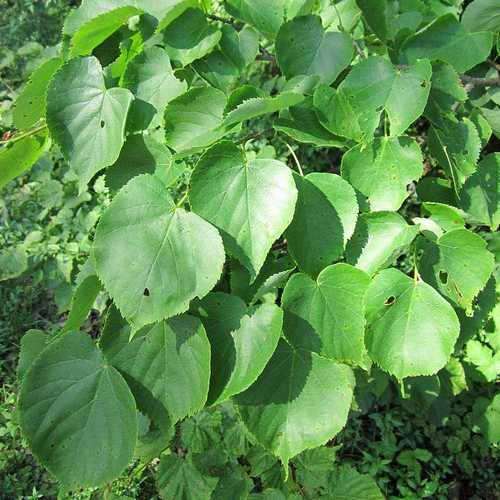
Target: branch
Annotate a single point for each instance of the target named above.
(480, 82)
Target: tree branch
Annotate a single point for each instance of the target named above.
(480, 82)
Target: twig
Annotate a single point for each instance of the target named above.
(480, 82)
(493, 64)
(23, 135)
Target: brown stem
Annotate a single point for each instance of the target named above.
(480, 82)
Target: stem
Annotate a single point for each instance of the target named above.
(224, 20)
(297, 162)
(182, 200)
(265, 55)
(23, 135)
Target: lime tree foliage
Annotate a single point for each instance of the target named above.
(232, 275)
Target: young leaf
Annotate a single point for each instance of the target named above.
(378, 240)
(30, 104)
(382, 170)
(251, 202)
(86, 119)
(354, 109)
(458, 264)
(304, 48)
(242, 341)
(193, 120)
(411, 329)
(324, 220)
(150, 78)
(190, 37)
(78, 413)
(300, 401)
(447, 40)
(170, 256)
(168, 363)
(327, 315)
(18, 157)
(480, 195)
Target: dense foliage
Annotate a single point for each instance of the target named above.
(253, 301)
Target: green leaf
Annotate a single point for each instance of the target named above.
(13, 262)
(17, 157)
(265, 15)
(193, 121)
(382, 170)
(485, 361)
(324, 220)
(180, 478)
(327, 315)
(242, 341)
(85, 119)
(378, 240)
(487, 415)
(300, 401)
(248, 289)
(141, 154)
(190, 37)
(456, 147)
(313, 467)
(354, 109)
(170, 10)
(251, 202)
(33, 342)
(91, 34)
(349, 484)
(302, 124)
(482, 15)
(446, 90)
(379, 15)
(436, 189)
(81, 303)
(152, 257)
(304, 48)
(257, 106)
(411, 329)
(458, 264)
(30, 104)
(447, 40)
(168, 363)
(236, 51)
(150, 78)
(480, 194)
(447, 217)
(71, 397)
